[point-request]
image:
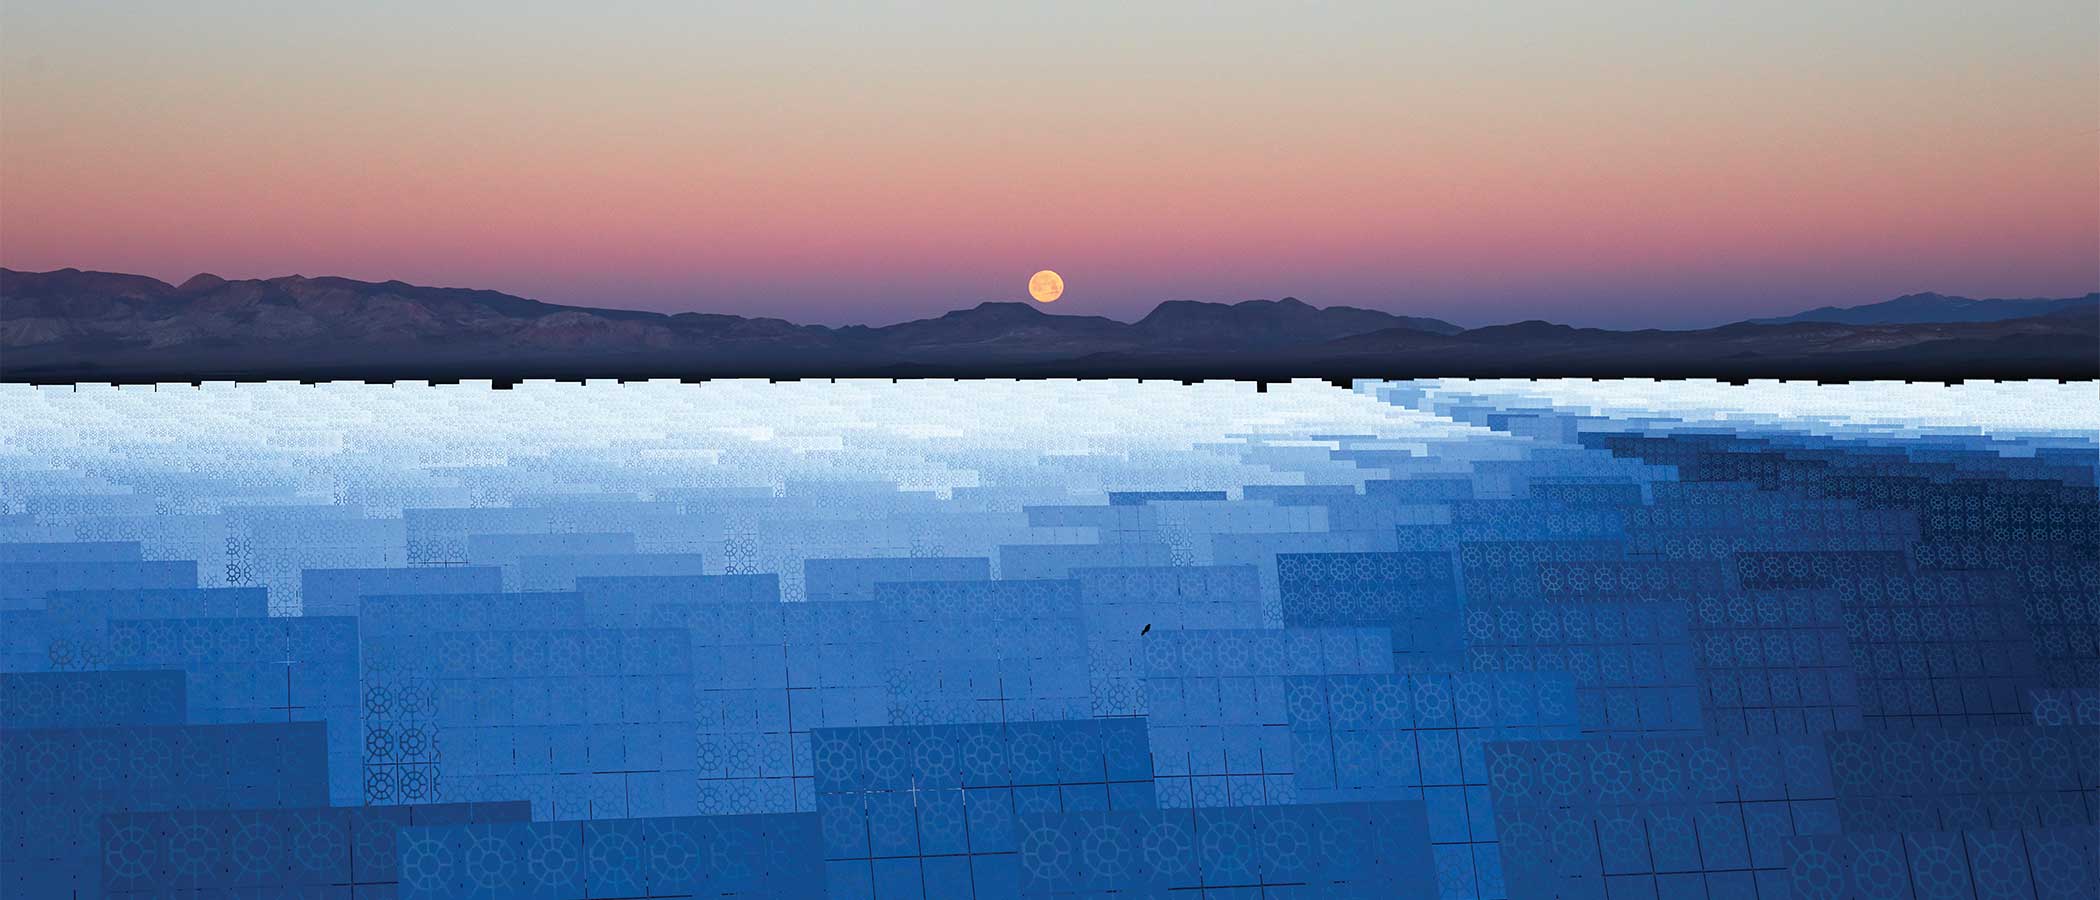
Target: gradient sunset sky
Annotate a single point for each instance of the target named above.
(1608, 163)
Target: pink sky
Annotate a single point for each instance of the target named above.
(1617, 164)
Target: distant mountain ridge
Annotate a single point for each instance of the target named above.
(72, 325)
(69, 304)
(109, 316)
(1913, 309)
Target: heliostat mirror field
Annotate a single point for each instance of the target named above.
(1464, 639)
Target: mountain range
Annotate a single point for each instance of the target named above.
(1915, 309)
(72, 325)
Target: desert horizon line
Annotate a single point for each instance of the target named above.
(1052, 308)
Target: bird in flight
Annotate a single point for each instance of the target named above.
(1146, 630)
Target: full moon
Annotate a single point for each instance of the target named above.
(1046, 286)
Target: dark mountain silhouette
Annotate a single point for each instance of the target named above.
(1916, 309)
(1269, 323)
(71, 325)
(131, 312)
(994, 331)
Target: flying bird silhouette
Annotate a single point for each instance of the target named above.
(1146, 630)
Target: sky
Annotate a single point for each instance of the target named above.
(1597, 163)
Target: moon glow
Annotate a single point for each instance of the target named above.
(1046, 286)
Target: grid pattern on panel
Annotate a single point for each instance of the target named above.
(983, 651)
(1775, 663)
(658, 858)
(1122, 606)
(62, 781)
(1336, 851)
(74, 625)
(1632, 664)
(465, 699)
(86, 699)
(1415, 595)
(1219, 720)
(2030, 864)
(298, 669)
(1938, 648)
(332, 851)
(929, 811)
(1967, 779)
(1680, 817)
(1506, 570)
(1421, 737)
(747, 735)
